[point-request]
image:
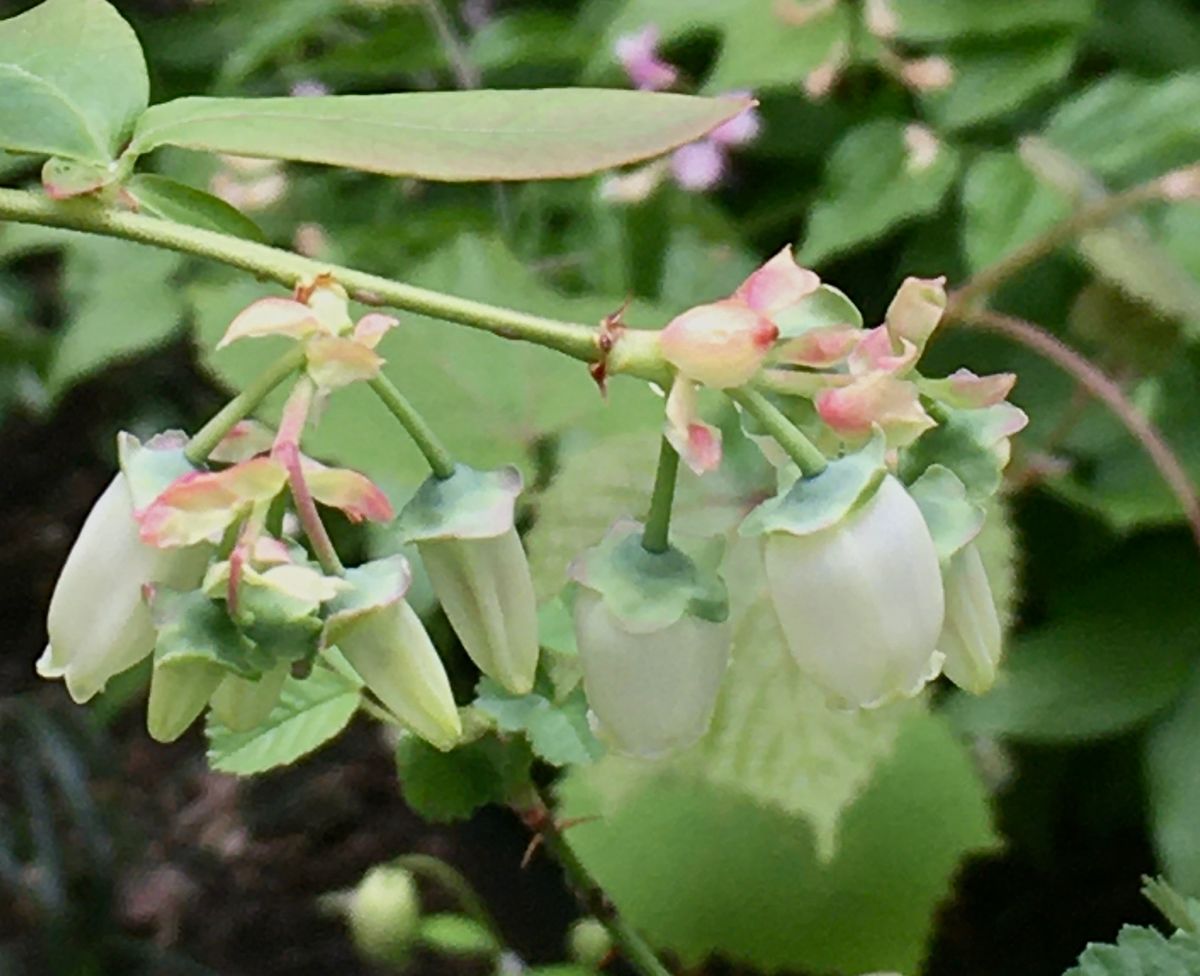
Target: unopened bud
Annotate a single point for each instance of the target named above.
(384, 914)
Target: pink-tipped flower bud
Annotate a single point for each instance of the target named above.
(722, 344)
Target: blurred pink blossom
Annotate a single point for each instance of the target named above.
(638, 54)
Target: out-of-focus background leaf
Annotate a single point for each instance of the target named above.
(953, 835)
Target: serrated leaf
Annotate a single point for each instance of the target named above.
(940, 20)
(448, 786)
(703, 870)
(1117, 651)
(1141, 952)
(456, 935)
(870, 187)
(447, 136)
(172, 200)
(558, 731)
(1171, 771)
(309, 713)
(73, 80)
(992, 83)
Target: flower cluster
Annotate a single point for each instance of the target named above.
(868, 549)
(869, 555)
(210, 580)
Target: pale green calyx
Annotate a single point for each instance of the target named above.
(952, 518)
(469, 504)
(649, 590)
(821, 501)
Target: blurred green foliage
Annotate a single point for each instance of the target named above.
(792, 837)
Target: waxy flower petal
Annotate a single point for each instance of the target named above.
(99, 624)
(272, 316)
(965, 390)
(876, 399)
(741, 129)
(391, 651)
(337, 361)
(820, 348)
(199, 506)
(246, 439)
(699, 166)
(916, 310)
(878, 351)
(372, 327)
(697, 443)
(861, 601)
(486, 589)
(179, 692)
(971, 638)
(653, 692)
(777, 285)
(638, 55)
(721, 344)
(354, 494)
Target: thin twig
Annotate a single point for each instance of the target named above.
(1107, 391)
(1084, 219)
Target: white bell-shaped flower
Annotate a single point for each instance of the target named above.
(653, 691)
(861, 600)
(971, 635)
(99, 624)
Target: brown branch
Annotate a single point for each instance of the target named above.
(1107, 391)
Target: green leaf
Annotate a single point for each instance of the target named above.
(1005, 206)
(1172, 769)
(991, 83)
(121, 302)
(172, 200)
(558, 732)
(1117, 651)
(758, 48)
(871, 186)
(1141, 952)
(447, 786)
(1131, 128)
(309, 713)
(73, 80)
(1123, 251)
(447, 136)
(456, 935)
(701, 869)
(775, 740)
(941, 20)
(450, 372)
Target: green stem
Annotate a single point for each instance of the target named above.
(455, 883)
(656, 537)
(637, 951)
(798, 447)
(574, 339)
(418, 429)
(241, 406)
